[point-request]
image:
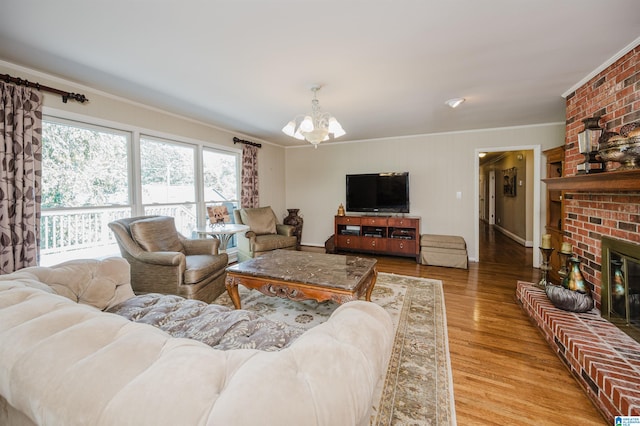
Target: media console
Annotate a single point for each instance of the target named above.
(387, 235)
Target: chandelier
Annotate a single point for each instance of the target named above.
(315, 126)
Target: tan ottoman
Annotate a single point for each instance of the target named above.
(443, 250)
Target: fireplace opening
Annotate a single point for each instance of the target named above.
(621, 285)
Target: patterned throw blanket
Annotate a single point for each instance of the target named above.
(217, 326)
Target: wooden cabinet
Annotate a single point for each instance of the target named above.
(555, 209)
(394, 236)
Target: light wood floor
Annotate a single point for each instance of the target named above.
(504, 373)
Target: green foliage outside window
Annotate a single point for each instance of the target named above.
(83, 167)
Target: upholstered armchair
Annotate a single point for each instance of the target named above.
(265, 233)
(163, 261)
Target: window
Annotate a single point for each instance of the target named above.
(220, 181)
(88, 181)
(85, 167)
(220, 177)
(167, 174)
(85, 185)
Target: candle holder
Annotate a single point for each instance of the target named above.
(545, 267)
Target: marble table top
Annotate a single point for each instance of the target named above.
(227, 228)
(328, 270)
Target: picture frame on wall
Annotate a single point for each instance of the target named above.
(509, 182)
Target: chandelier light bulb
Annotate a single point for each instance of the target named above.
(307, 124)
(290, 128)
(298, 135)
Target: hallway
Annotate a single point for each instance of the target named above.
(495, 247)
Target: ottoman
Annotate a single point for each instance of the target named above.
(443, 250)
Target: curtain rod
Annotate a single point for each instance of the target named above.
(236, 140)
(65, 95)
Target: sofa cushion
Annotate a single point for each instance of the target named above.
(261, 220)
(98, 283)
(156, 234)
(273, 242)
(215, 325)
(201, 266)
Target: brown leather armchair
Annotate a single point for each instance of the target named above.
(163, 261)
(264, 235)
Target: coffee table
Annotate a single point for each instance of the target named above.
(299, 275)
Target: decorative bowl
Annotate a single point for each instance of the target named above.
(631, 158)
(625, 151)
(628, 128)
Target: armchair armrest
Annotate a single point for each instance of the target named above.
(287, 230)
(250, 235)
(201, 246)
(163, 258)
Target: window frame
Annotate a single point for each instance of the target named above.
(97, 128)
(134, 135)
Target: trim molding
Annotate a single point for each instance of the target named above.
(602, 67)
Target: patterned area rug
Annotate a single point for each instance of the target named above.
(418, 388)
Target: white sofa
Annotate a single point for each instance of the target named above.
(63, 361)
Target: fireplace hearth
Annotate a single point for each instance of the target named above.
(620, 285)
(604, 360)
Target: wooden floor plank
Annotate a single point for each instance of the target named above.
(503, 370)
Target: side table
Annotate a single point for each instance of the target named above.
(222, 233)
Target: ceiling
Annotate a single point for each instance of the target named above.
(386, 66)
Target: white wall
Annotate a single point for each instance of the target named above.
(439, 166)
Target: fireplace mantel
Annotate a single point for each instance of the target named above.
(628, 180)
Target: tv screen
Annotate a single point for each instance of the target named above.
(378, 192)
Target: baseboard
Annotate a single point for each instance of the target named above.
(511, 235)
(312, 244)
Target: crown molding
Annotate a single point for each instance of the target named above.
(602, 67)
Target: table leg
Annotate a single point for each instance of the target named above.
(373, 283)
(224, 242)
(232, 289)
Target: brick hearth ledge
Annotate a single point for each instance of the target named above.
(602, 358)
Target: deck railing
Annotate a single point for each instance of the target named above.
(77, 233)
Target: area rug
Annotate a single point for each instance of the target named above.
(418, 388)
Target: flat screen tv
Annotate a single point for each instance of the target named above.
(378, 192)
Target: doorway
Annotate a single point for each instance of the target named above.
(528, 186)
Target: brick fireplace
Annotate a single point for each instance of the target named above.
(602, 358)
(614, 95)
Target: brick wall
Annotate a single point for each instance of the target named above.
(613, 94)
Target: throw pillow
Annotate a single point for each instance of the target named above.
(156, 234)
(261, 220)
(568, 300)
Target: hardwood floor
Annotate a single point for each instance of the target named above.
(503, 370)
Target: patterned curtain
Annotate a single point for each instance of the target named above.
(20, 173)
(249, 196)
